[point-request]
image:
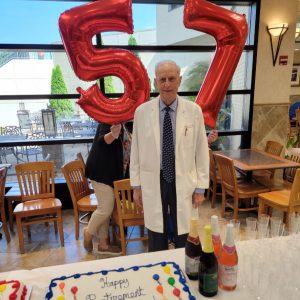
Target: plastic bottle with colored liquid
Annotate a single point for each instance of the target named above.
(216, 238)
(228, 261)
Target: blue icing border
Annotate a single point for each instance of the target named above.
(177, 272)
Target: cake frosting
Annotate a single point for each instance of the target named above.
(161, 281)
(13, 290)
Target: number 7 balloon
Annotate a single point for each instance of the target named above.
(77, 27)
(230, 31)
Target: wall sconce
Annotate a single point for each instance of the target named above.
(276, 33)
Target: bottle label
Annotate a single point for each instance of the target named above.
(210, 282)
(192, 265)
(228, 275)
(216, 238)
(229, 250)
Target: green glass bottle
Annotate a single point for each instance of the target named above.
(208, 267)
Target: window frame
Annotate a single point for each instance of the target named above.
(245, 134)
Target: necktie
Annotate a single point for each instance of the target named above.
(168, 155)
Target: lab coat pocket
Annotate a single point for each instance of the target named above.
(188, 139)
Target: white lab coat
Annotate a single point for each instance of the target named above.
(191, 160)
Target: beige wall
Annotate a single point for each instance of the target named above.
(272, 84)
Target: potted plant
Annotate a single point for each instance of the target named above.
(292, 142)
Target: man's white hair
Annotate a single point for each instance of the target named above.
(165, 62)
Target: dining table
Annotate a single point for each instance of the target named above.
(249, 160)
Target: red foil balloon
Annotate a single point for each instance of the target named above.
(77, 27)
(230, 31)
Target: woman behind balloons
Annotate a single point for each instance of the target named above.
(104, 165)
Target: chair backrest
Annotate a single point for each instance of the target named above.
(36, 180)
(76, 181)
(295, 191)
(289, 173)
(274, 148)
(3, 172)
(11, 130)
(297, 113)
(80, 157)
(227, 173)
(126, 207)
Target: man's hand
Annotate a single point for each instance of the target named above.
(198, 199)
(137, 197)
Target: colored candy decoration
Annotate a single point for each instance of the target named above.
(160, 289)
(61, 297)
(74, 290)
(2, 288)
(167, 269)
(155, 276)
(171, 281)
(61, 286)
(176, 292)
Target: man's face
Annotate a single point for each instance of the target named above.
(167, 81)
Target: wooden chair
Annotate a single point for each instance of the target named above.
(274, 148)
(214, 180)
(3, 172)
(126, 213)
(239, 190)
(287, 201)
(83, 198)
(275, 184)
(39, 205)
(289, 173)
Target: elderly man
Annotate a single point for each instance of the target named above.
(169, 163)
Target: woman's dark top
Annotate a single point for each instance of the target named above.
(105, 161)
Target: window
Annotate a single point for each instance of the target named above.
(35, 75)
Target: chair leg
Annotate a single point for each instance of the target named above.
(76, 219)
(123, 239)
(20, 233)
(10, 216)
(235, 208)
(208, 191)
(55, 227)
(5, 227)
(114, 232)
(213, 197)
(28, 231)
(261, 207)
(223, 203)
(60, 227)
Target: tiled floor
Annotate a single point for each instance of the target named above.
(44, 247)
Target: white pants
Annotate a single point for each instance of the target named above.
(99, 222)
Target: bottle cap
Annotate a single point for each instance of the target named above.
(208, 245)
(229, 240)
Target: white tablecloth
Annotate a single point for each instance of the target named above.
(268, 268)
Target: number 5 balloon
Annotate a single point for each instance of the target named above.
(77, 27)
(230, 31)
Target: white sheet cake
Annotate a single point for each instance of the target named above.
(159, 281)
